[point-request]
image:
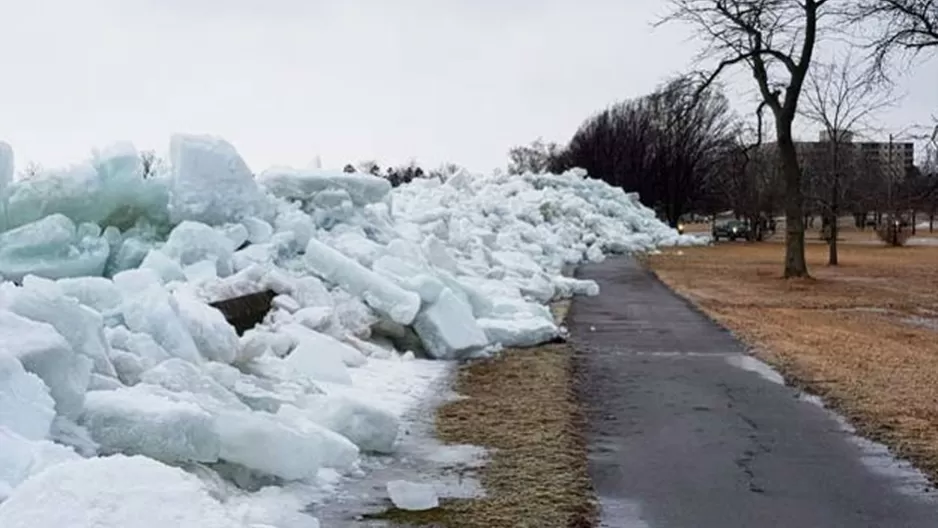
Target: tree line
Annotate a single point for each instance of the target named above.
(683, 150)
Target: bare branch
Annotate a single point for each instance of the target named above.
(895, 29)
(775, 39)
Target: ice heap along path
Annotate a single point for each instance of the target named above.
(121, 388)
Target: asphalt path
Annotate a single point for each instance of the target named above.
(686, 431)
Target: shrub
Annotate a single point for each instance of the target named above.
(893, 234)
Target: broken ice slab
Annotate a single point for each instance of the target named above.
(412, 496)
(51, 248)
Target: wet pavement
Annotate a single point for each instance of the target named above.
(686, 431)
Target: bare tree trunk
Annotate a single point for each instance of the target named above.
(931, 222)
(832, 259)
(795, 264)
(913, 222)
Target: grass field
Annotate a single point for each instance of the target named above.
(863, 335)
(521, 407)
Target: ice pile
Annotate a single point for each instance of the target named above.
(109, 346)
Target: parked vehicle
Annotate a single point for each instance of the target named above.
(731, 230)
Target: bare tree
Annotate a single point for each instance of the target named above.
(904, 28)
(148, 163)
(841, 99)
(775, 39)
(537, 157)
(691, 130)
(930, 170)
(369, 167)
(664, 146)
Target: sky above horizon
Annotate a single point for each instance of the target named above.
(286, 80)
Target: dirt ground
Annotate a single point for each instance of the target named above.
(521, 407)
(863, 335)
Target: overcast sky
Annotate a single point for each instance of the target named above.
(285, 80)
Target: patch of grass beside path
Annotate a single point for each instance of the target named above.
(521, 406)
(863, 336)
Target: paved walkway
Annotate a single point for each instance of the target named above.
(682, 437)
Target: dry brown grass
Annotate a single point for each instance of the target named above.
(520, 406)
(844, 334)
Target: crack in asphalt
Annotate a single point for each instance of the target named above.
(680, 437)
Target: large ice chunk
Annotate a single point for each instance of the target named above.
(519, 332)
(261, 393)
(166, 268)
(181, 376)
(44, 352)
(152, 312)
(255, 343)
(130, 492)
(413, 496)
(138, 344)
(6, 178)
(317, 363)
(43, 300)
(262, 442)
(369, 427)
(410, 277)
(259, 231)
(305, 184)
(213, 336)
(191, 242)
(140, 420)
(379, 292)
(211, 183)
(110, 190)
(95, 292)
(338, 452)
(25, 405)
(326, 344)
(568, 287)
(52, 248)
(21, 458)
(448, 329)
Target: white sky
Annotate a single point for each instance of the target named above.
(285, 80)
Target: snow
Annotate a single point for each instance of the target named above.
(130, 492)
(21, 458)
(412, 495)
(109, 346)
